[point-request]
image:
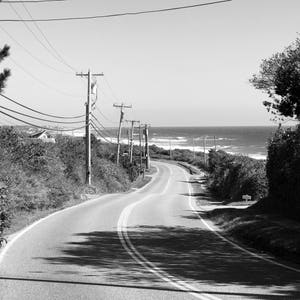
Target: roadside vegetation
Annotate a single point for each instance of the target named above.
(37, 176)
(272, 223)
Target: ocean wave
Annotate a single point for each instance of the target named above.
(258, 156)
(211, 138)
(173, 140)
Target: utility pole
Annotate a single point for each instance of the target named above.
(128, 138)
(131, 137)
(204, 146)
(88, 163)
(215, 143)
(121, 106)
(170, 150)
(140, 146)
(147, 154)
(194, 149)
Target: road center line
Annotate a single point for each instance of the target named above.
(140, 259)
(29, 227)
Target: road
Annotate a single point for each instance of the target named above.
(148, 244)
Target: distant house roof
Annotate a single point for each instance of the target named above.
(38, 135)
(43, 135)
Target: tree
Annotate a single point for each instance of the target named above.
(279, 76)
(4, 52)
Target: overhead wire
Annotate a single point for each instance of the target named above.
(36, 37)
(104, 116)
(99, 133)
(31, 1)
(41, 81)
(113, 15)
(30, 54)
(41, 119)
(39, 112)
(38, 126)
(103, 128)
(47, 40)
(111, 90)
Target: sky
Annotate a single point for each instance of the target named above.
(182, 68)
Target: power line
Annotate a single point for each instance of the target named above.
(117, 14)
(103, 128)
(41, 81)
(38, 126)
(32, 1)
(99, 133)
(39, 112)
(40, 119)
(106, 118)
(31, 31)
(56, 56)
(47, 40)
(111, 90)
(30, 54)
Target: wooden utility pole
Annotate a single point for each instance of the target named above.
(128, 138)
(204, 146)
(131, 138)
(215, 143)
(140, 146)
(194, 156)
(88, 164)
(147, 154)
(170, 150)
(121, 106)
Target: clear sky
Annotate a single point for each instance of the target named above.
(180, 68)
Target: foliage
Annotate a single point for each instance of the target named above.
(283, 172)
(279, 76)
(182, 155)
(4, 52)
(231, 176)
(38, 175)
(109, 176)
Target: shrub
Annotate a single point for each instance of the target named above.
(231, 176)
(109, 177)
(283, 172)
(39, 175)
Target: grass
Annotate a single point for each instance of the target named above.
(265, 232)
(143, 180)
(248, 224)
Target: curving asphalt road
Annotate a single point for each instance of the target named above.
(148, 244)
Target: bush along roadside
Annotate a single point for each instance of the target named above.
(180, 155)
(37, 176)
(283, 172)
(231, 176)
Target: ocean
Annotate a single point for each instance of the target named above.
(246, 140)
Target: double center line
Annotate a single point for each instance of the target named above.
(148, 265)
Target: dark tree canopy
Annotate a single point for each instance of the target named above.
(279, 76)
(4, 52)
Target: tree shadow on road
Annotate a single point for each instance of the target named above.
(191, 254)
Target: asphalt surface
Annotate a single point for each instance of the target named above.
(148, 244)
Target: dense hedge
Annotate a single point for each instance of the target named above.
(231, 176)
(183, 155)
(38, 175)
(283, 172)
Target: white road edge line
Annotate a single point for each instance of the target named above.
(29, 227)
(231, 242)
(140, 259)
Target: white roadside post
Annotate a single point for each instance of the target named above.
(246, 197)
